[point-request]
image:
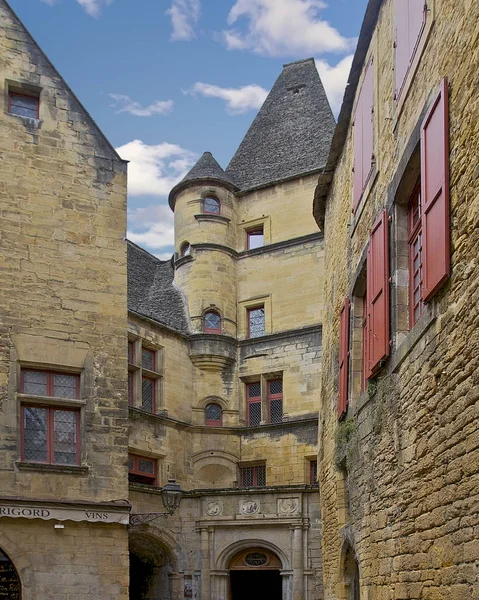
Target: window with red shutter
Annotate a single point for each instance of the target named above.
(378, 295)
(435, 194)
(343, 359)
(410, 16)
(363, 136)
(142, 469)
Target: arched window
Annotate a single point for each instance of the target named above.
(10, 586)
(212, 322)
(213, 415)
(185, 249)
(211, 205)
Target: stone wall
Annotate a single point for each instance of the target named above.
(399, 479)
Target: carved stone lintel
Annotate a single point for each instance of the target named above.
(141, 519)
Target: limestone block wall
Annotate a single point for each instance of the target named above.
(84, 560)
(63, 276)
(405, 498)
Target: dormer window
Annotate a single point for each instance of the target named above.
(211, 205)
(212, 322)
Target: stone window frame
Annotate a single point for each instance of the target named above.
(22, 89)
(253, 225)
(258, 470)
(251, 303)
(137, 373)
(264, 380)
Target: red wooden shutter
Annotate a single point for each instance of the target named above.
(368, 131)
(416, 22)
(343, 359)
(358, 154)
(435, 193)
(378, 295)
(402, 43)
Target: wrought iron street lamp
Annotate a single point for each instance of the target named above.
(171, 495)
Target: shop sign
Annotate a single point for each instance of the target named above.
(63, 514)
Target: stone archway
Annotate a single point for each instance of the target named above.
(150, 568)
(350, 575)
(10, 585)
(255, 573)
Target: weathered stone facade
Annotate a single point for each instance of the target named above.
(63, 309)
(399, 477)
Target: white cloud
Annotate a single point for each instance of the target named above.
(238, 100)
(126, 104)
(334, 80)
(184, 16)
(92, 7)
(152, 227)
(155, 169)
(283, 28)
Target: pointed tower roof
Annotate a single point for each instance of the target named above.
(205, 170)
(290, 135)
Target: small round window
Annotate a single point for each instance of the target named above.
(213, 415)
(185, 249)
(211, 205)
(212, 322)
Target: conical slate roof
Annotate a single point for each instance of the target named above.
(206, 169)
(290, 135)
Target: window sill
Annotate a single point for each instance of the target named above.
(31, 121)
(51, 400)
(417, 332)
(47, 468)
(212, 217)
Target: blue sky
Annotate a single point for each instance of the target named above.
(168, 79)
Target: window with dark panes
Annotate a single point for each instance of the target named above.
(50, 435)
(415, 256)
(48, 383)
(213, 415)
(142, 469)
(148, 394)
(256, 322)
(313, 472)
(212, 322)
(253, 403)
(253, 476)
(275, 400)
(148, 359)
(211, 205)
(255, 238)
(23, 105)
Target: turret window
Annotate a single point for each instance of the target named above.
(213, 415)
(185, 249)
(212, 322)
(211, 205)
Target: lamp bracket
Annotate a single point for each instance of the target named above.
(143, 518)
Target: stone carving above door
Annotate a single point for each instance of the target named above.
(249, 507)
(288, 506)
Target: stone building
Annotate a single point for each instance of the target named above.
(219, 386)
(398, 203)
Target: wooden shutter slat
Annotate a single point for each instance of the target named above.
(343, 359)
(435, 193)
(367, 110)
(358, 154)
(378, 295)
(402, 55)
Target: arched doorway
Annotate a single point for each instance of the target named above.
(351, 575)
(150, 569)
(10, 586)
(255, 574)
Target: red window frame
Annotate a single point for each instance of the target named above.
(250, 233)
(153, 479)
(313, 472)
(258, 472)
(152, 353)
(50, 442)
(209, 212)
(416, 304)
(213, 422)
(24, 95)
(271, 397)
(212, 329)
(249, 312)
(153, 399)
(131, 352)
(252, 400)
(50, 382)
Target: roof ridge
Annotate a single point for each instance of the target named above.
(298, 62)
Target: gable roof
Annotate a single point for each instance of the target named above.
(152, 292)
(290, 135)
(205, 170)
(20, 30)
